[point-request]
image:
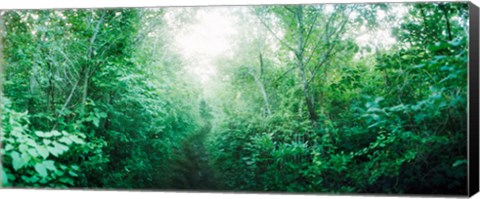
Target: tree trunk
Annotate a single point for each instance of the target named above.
(259, 82)
(300, 65)
(445, 13)
(85, 90)
(90, 54)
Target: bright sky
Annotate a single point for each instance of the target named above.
(381, 37)
(207, 39)
(210, 36)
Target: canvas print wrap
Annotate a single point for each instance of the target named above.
(318, 98)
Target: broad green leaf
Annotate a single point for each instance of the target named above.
(41, 170)
(33, 152)
(31, 142)
(23, 147)
(42, 150)
(60, 147)
(26, 179)
(65, 140)
(4, 177)
(39, 133)
(96, 121)
(59, 172)
(76, 139)
(55, 133)
(102, 114)
(57, 149)
(66, 180)
(8, 147)
(46, 141)
(73, 173)
(49, 164)
(17, 161)
(54, 151)
(17, 131)
(26, 157)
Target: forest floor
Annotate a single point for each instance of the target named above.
(192, 170)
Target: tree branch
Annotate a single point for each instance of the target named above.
(284, 74)
(326, 35)
(328, 54)
(310, 29)
(275, 35)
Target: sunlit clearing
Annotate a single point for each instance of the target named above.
(381, 37)
(206, 39)
(329, 8)
(209, 36)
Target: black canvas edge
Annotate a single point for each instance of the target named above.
(473, 87)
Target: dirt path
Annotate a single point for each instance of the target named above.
(191, 170)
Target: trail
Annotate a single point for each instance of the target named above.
(191, 170)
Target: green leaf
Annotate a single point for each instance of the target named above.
(26, 179)
(49, 164)
(17, 131)
(8, 147)
(59, 172)
(77, 139)
(31, 142)
(447, 68)
(374, 109)
(410, 155)
(73, 173)
(46, 142)
(418, 66)
(23, 147)
(55, 133)
(48, 134)
(54, 151)
(379, 99)
(60, 147)
(41, 170)
(33, 152)
(459, 162)
(96, 122)
(39, 133)
(26, 158)
(102, 114)
(456, 42)
(65, 140)
(420, 117)
(4, 177)
(66, 181)
(57, 149)
(17, 161)
(397, 108)
(42, 150)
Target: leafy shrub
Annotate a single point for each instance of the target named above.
(33, 158)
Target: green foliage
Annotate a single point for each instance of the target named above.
(33, 161)
(99, 99)
(397, 127)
